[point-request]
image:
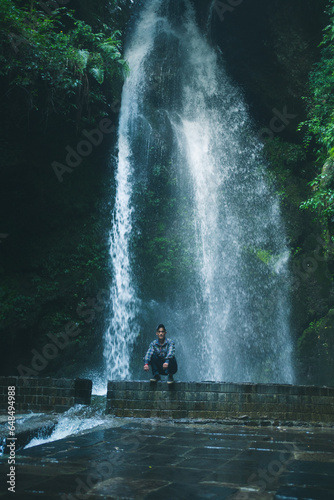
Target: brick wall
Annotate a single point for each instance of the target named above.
(45, 394)
(214, 400)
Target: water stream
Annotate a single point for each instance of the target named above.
(229, 304)
(75, 420)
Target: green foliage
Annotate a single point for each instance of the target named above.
(316, 349)
(57, 63)
(287, 160)
(322, 200)
(320, 122)
(60, 72)
(263, 255)
(319, 126)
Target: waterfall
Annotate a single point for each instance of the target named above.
(192, 188)
(123, 327)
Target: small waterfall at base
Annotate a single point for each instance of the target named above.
(197, 239)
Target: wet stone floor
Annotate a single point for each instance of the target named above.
(155, 460)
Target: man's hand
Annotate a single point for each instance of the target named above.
(165, 365)
(146, 368)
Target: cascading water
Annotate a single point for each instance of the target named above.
(186, 142)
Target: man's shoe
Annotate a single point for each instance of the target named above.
(170, 379)
(156, 378)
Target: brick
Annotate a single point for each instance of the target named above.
(179, 414)
(283, 389)
(223, 397)
(110, 386)
(214, 406)
(211, 396)
(4, 399)
(321, 400)
(116, 394)
(312, 390)
(139, 414)
(144, 396)
(56, 400)
(326, 418)
(42, 400)
(251, 398)
(228, 387)
(47, 391)
(128, 385)
(23, 391)
(63, 383)
(207, 414)
(45, 382)
(29, 381)
(33, 407)
(184, 386)
(250, 388)
(211, 387)
(60, 408)
(62, 401)
(200, 405)
(9, 381)
(123, 413)
(30, 398)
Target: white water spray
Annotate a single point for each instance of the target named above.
(75, 420)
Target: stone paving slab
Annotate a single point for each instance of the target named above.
(159, 460)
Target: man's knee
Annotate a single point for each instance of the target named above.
(172, 366)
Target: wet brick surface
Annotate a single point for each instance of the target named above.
(155, 460)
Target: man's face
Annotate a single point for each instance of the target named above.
(161, 334)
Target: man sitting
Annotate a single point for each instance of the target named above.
(161, 356)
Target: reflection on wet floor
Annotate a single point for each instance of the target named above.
(155, 460)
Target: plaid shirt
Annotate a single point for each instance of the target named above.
(165, 351)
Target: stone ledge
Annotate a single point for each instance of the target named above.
(225, 387)
(45, 394)
(217, 400)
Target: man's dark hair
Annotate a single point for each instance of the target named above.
(161, 326)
